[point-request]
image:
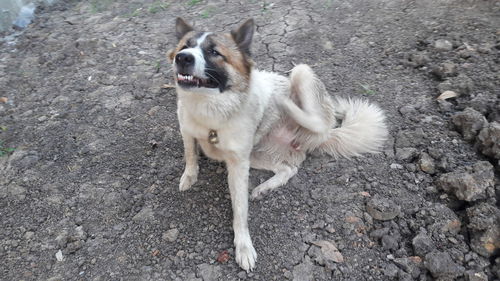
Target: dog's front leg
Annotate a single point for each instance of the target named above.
(238, 170)
(190, 175)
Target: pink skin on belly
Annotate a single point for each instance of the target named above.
(285, 137)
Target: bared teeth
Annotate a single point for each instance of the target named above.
(199, 82)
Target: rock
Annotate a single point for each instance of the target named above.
(460, 84)
(486, 243)
(483, 216)
(444, 220)
(191, 278)
(426, 163)
(28, 235)
(406, 154)
(16, 191)
(382, 208)
(329, 252)
(465, 54)
(78, 234)
(422, 244)
(391, 270)
(396, 166)
(483, 102)
(470, 185)
(407, 110)
(171, 235)
(23, 159)
(441, 266)
(469, 122)
(59, 256)
(379, 233)
(209, 272)
(74, 246)
(489, 140)
(484, 49)
(389, 242)
(62, 238)
(144, 215)
(410, 265)
(472, 275)
(444, 70)
(445, 106)
(443, 45)
(418, 59)
(303, 271)
(242, 274)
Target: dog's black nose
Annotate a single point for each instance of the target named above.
(184, 59)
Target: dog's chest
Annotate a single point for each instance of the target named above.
(212, 135)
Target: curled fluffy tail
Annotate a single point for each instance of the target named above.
(363, 129)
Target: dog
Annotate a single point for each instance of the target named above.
(250, 118)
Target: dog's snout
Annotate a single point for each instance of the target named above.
(184, 59)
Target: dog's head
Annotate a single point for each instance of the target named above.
(206, 62)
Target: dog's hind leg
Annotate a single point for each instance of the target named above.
(306, 89)
(282, 173)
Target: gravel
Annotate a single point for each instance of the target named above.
(85, 100)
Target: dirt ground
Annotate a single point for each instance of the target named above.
(90, 191)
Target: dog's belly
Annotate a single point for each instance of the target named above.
(210, 150)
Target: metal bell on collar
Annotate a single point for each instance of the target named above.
(212, 137)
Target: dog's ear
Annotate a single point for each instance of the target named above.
(170, 55)
(243, 36)
(181, 28)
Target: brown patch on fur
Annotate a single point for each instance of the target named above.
(241, 62)
(237, 64)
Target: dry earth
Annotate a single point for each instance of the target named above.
(90, 191)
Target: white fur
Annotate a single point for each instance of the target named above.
(196, 51)
(272, 126)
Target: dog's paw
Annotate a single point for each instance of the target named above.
(246, 255)
(259, 192)
(187, 180)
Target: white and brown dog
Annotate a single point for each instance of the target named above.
(252, 118)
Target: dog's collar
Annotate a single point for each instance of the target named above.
(212, 137)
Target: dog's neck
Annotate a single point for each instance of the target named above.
(212, 107)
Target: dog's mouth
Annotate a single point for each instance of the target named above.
(188, 81)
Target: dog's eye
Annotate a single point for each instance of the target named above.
(184, 47)
(214, 52)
